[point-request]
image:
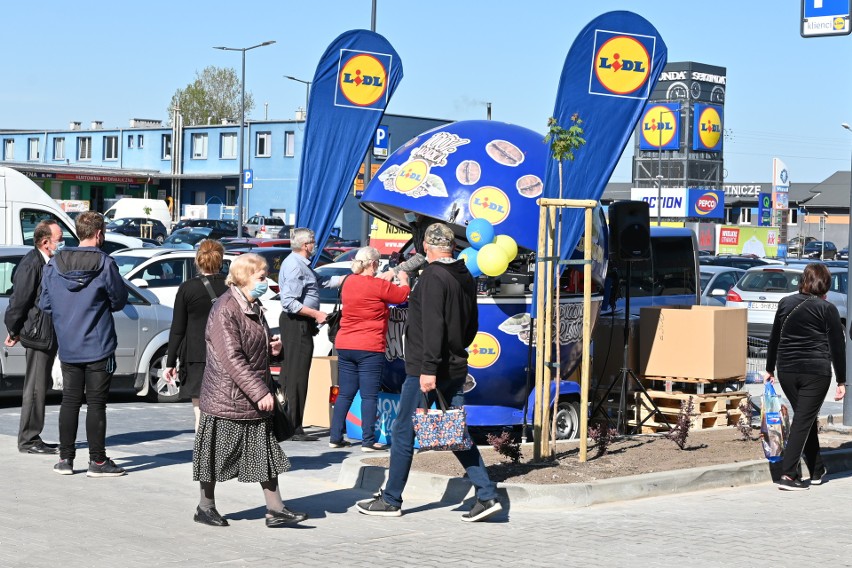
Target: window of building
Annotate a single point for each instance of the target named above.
(32, 149)
(228, 145)
(167, 147)
(199, 146)
(110, 147)
(84, 148)
(140, 141)
(289, 144)
(8, 149)
(745, 216)
(264, 145)
(794, 217)
(130, 141)
(59, 148)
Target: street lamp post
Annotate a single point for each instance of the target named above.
(242, 126)
(307, 91)
(847, 400)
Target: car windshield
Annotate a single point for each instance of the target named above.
(118, 223)
(128, 263)
(770, 281)
(186, 239)
(705, 280)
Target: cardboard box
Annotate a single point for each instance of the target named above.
(317, 408)
(696, 342)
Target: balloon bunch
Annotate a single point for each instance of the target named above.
(487, 254)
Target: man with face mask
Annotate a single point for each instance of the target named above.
(81, 287)
(299, 322)
(26, 323)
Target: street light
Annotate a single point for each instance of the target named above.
(242, 126)
(847, 400)
(307, 91)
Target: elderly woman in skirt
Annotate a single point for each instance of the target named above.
(235, 435)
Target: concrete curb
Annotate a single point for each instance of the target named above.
(428, 487)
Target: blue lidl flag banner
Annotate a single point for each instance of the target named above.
(352, 86)
(608, 75)
(707, 128)
(660, 127)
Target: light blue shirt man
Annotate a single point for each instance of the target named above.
(299, 284)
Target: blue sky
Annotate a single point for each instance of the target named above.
(112, 61)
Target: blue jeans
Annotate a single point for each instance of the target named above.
(402, 449)
(357, 370)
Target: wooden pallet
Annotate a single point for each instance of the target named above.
(679, 384)
(709, 410)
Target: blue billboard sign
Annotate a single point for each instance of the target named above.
(660, 127)
(705, 203)
(707, 129)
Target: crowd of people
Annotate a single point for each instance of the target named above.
(220, 350)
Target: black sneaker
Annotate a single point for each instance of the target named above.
(64, 467)
(481, 510)
(789, 484)
(377, 507)
(106, 468)
(340, 444)
(820, 477)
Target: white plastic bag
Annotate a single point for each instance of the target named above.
(56, 374)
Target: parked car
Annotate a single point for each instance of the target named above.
(735, 261)
(842, 254)
(189, 237)
(794, 245)
(249, 242)
(264, 227)
(716, 281)
(762, 287)
(137, 227)
(225, 227)
(142, 328)
(820, 249)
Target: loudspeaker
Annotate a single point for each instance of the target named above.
(629, 231)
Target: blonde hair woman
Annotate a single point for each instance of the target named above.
(235, 433)
(360, 344)
(192, 307)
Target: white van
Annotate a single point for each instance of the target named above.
(23, 204)
(129, 207)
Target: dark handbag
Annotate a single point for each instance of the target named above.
(442, 429)
(333, 319)
(39, 335)
(282, 427)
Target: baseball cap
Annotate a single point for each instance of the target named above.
(439, 235)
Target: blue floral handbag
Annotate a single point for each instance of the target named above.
(441, 429)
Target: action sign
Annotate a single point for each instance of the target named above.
(825, 17)
(248, 179)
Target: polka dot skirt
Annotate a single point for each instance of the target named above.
(245, 449)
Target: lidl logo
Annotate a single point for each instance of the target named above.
(705, 204)
(659, 127)
(621, 64)
(484, 351)
(411, 175)
(708, 128)
(839, 23)
(362, 78)
(489, 203)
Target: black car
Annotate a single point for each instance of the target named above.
(820, 249)
(737, 261)
(223, 227)
(274, 256)
(138, 227)
(190, 237)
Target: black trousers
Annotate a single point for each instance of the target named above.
(94, 380)
(36, 383)
(806, 393)
(297, 349)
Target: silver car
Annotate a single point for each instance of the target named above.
(143, 335)
(263, 227)
(716, 281)
(762, 287)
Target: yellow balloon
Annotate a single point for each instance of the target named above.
(508, 244)
(492, 260)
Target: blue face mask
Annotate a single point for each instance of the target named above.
(259, 289)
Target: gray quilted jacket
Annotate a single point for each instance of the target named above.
(237, 371)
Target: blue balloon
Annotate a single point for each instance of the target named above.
(470, 255)
(480, 232)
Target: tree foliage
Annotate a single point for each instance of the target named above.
(213, 95)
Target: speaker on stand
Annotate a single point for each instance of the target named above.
(630, 239)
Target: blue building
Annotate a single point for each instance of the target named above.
(185, 165)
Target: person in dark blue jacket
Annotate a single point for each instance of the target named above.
(81, 287)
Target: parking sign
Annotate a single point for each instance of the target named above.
(248, 179)
(825, 17)
(381, 142)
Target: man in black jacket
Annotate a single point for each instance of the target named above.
(22, 317)
(442, 321)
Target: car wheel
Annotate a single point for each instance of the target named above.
(160, 239)
(158, 389)
(567, 420)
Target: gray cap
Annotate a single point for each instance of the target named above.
(439, 235)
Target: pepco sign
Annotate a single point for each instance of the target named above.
(705, 203)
